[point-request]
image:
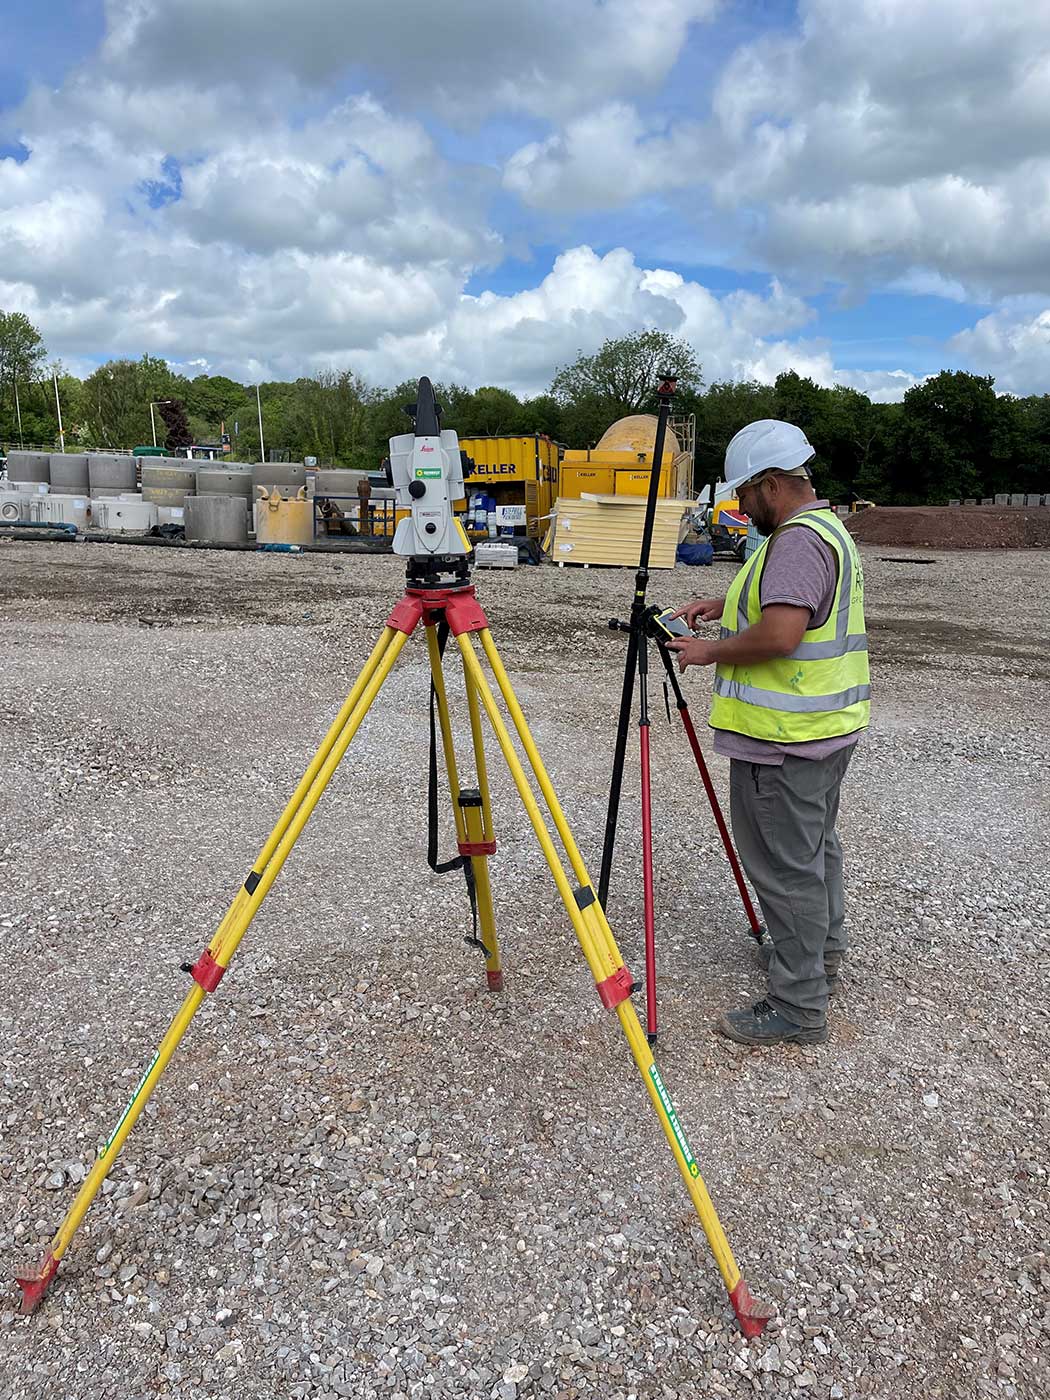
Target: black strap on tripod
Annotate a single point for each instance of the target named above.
(463, 863)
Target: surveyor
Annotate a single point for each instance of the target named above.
(791, 698)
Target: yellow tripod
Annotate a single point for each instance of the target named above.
(456, 606)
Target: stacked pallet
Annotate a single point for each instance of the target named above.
(608, 530)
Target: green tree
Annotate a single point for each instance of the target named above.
(950, 426)
(327, 417)
(721, 412)
(622, 375)
(117, 399)
(1032, 463)
(543, 414)
(386, 418)
(212, 399)
(486, 412)
(845, 436)
(22, 356)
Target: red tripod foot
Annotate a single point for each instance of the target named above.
(751, 1312)
(34, 1287)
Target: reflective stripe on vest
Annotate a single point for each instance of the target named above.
(788, 702)
(796, 704)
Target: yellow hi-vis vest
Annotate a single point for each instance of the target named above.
(822, 689)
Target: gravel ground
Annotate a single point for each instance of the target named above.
(363, 1175)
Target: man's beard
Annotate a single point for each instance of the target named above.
(762, 523)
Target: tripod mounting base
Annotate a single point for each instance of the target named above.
(458, 604)
(437, 571)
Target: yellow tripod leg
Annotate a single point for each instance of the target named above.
(473, 814)
(260, 862)
(600, 951)
(481, 839)
(208, 970)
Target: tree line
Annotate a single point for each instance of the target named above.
(951, 437)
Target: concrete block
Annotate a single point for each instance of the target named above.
(1017, 500)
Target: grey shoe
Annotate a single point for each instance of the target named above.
(762, 1024)
(832, 965)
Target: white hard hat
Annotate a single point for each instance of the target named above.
(763, 446)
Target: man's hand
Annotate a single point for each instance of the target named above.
(702, 610)
(694, 653)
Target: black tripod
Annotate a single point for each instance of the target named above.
(645, 622)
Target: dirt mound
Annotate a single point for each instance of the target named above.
(954, 527)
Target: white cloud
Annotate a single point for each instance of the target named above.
(518, 340)
(604, 159)
(781, 311)
(897, 138)
(1013, 346)
(462, 56)
(880, 143)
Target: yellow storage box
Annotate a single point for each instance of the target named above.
(636, 483)
(597, 480)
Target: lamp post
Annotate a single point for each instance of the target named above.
(58, 407)
(18, 413)
(262, 448)
(152, 420)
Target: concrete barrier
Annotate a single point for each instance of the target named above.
(28, 467)
(110, 476)
(69, 473)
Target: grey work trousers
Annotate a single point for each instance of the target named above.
(784, 828)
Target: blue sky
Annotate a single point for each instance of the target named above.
(857, 192)
(40, 42)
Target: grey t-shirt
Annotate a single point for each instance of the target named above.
(800, 570)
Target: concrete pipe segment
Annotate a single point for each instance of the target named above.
(30, 467)
(69, 473)
(110, 476)
(286, 476)
(339, 482)
(217, 519)
(219, 481)
(167, 481)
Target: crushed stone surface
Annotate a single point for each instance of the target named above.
(363, 1174)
